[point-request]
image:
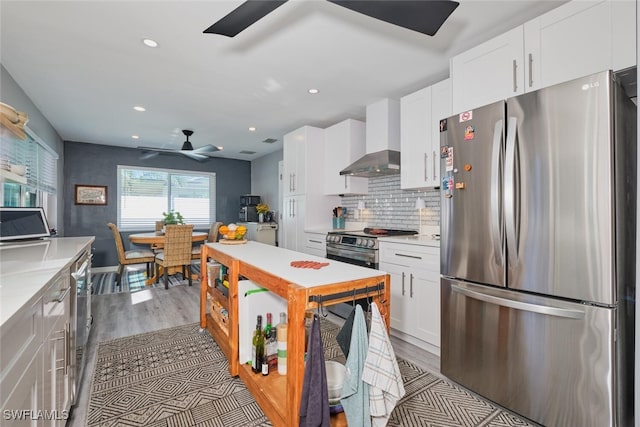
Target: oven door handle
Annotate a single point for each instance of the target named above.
(349, 254)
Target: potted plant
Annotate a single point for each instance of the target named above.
(172, 218)
(262, 209)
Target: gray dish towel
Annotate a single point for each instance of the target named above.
(344, 335)
(314, 406)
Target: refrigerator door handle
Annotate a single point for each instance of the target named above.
(519, 305)
(510, 193)
(495, 191)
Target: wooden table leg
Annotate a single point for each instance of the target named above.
(295, 352)
(203, 288)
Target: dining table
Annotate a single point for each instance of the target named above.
(155, 240)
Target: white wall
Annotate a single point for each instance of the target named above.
(264, 178)
(11, 93)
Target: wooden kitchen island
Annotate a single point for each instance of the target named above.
(303, 289)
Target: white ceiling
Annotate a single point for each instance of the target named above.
(84, 66)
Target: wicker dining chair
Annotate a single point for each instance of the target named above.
(176, 252)
(212, 237)
(133, 256)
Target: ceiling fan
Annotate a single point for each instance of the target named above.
(424, 16)
(202, 153)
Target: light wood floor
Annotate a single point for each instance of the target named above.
(124, 314)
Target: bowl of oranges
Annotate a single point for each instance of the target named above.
(232, 232)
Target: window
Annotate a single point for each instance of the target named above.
(39, 183)
(145, 193)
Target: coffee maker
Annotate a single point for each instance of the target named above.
(248, 208)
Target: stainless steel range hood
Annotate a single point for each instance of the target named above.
(382, 142)
(385, 162)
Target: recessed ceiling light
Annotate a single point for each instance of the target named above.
(252, 129)
(150, 43)
(313, 91)
(135, 136)
(139, 108)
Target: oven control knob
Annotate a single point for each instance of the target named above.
(358, 241)
(371, 243)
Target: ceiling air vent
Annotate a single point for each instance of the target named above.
(247, 152)
(269, 140)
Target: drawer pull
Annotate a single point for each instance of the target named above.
(411, 285)
(409, 256)
(316, 241)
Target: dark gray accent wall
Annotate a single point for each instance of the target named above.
(93, 164)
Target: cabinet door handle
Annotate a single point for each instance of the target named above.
(403, 283)
(515, 77)
(67, 347)
(290, 182)
(433, 159)
(294, 181)
(293, 210)
(411, 285)
(63, 294)
(409, 256)
(345, 182)
(530, 70)
(425, 167)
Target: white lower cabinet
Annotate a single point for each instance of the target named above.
(35, 349)
(415, 292)
(315, 244)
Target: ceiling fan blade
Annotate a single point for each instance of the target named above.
(149, 154)
(161, 150)
(207, 150)
(193, 155)
(244, 15)
(426, 16)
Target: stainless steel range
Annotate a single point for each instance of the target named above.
(358, 248)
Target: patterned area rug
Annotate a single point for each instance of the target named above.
(133, 280)
(179, 377)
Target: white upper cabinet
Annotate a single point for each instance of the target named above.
(578, 39)
(344, 144)
(488, 72)
(300, 145)
(420, 115)
(571, 41)
(415, 139)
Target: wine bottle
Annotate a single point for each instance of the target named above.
(271, 344)
(257, 347)
(281, 331)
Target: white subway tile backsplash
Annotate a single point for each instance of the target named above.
(387, 206)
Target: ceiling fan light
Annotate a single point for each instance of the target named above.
(187, 146)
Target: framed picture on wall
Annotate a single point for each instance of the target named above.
(91, 194)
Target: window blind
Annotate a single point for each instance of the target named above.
(38, 157)
(145, 193)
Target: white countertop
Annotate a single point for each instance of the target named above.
(418, 239)
(276, 261)
(27, 267)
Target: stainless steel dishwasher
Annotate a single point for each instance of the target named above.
(81, 309)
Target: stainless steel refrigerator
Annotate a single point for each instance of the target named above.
(538, 211)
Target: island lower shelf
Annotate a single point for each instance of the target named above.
(279, 395)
